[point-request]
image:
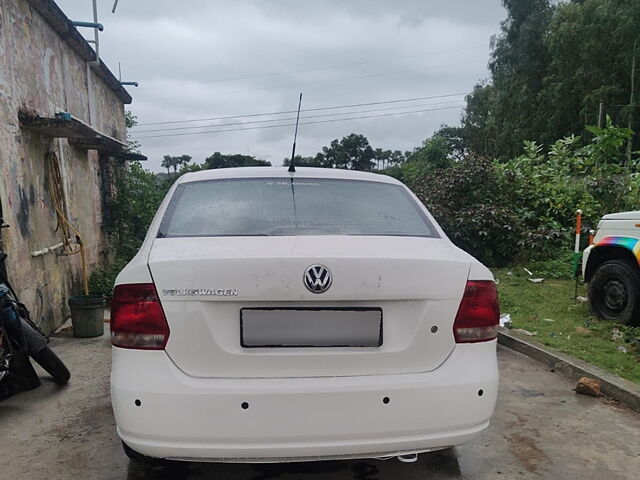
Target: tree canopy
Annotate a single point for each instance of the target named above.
(551, 66)
(175, 162)
(219, 160)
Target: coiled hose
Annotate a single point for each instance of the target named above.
(58, 201)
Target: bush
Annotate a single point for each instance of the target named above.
(523, 210)
(555, 268)
(139, 192)
(469, 202)
(102, 279)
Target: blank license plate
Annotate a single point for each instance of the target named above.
(310, 327)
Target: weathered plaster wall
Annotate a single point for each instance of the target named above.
(39, 71)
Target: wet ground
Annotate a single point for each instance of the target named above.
(541, 429)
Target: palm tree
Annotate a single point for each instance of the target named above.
(167, 162)
(183, 159)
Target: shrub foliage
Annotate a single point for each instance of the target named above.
(524, 208)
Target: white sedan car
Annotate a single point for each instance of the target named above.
(323, 314)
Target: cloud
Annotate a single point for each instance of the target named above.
(200, 59)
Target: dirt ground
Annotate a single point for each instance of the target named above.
(541, 429)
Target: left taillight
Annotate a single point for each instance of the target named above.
(137, 318)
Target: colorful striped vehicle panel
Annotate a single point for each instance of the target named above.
(629, 243)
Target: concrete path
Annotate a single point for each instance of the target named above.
(541, 429)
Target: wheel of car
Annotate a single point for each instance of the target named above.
(614, 292)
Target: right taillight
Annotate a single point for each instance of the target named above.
(478, 314)
(137, 318)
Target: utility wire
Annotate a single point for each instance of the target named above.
(353, 112)
(301, 123)
(317, 82)
(386, 102)
(314, 69)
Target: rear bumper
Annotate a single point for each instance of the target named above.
(295, 419)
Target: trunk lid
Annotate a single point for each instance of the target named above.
(203, 284)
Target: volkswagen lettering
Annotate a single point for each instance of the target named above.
(275, 316)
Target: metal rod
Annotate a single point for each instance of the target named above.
(576, 251)
(115, 5)
(292, 167)
(95, 32)
(96, 25)
(631, 100)
(601, 115)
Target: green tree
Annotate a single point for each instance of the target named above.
(455, 138)
(388, 158)
(591, 43)
(381, 157)
(167, 162)
(433, 154)
(174, 162)
(519, 64)
(300, 161)
(131, 121)
(479, 131)
(219, 160)
(138, 193)
(397, 158)
(351, 152)
(183, 160)
(471, 206)
(551, 66)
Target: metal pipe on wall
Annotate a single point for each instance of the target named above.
(96, 62)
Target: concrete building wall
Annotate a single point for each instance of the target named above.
(40, 72)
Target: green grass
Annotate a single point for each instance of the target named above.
(574, 329)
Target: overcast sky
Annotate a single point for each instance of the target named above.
(201, 59)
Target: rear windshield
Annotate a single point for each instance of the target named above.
(299, 206)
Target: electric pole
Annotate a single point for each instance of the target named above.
(601, 115)
(631, 99)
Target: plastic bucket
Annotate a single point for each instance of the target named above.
(87, 315)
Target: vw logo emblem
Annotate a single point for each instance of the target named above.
(317, 278)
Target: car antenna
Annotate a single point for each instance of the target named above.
(292, 167)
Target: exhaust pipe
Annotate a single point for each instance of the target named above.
(409, 458)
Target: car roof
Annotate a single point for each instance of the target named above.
(633, 215)
(276, 172)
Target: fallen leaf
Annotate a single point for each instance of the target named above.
(525, 332)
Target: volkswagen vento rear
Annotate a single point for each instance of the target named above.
(274, 316)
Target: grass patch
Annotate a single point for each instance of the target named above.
(548, 309)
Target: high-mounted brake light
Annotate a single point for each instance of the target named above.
(137, 318)
(478, 314)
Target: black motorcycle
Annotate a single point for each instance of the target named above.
(20, 338)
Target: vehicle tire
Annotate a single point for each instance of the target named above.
(138, 457)
(614, 292)
(53, 365)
